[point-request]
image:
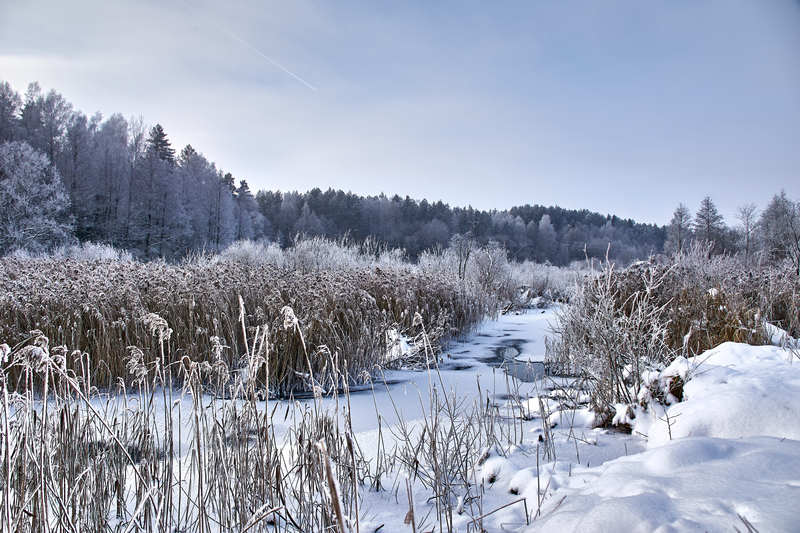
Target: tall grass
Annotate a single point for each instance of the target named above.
(103, 307)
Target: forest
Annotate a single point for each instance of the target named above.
(70, 177)
(118, 181)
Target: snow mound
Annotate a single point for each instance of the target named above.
(696, 484)
(734, 390)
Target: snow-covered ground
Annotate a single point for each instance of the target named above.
(727, 457)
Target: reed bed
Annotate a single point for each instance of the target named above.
(342, 315)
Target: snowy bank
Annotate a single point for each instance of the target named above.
(694, 484)
(734, 390)
(726, 456)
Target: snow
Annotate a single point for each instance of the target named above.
(729, 456)
(780, 337)
(694, 484)
(734, 390)
(398, 345)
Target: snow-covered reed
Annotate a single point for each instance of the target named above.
(344, 310)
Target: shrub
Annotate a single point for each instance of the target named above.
(622, 323)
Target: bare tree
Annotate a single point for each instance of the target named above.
(748, 218)
(462, 245)
(679, 231)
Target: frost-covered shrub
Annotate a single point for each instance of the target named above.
(552, 283)
(252, 253)
(490, 273)
(318, 253)
(91, 251)
(484, 274)
(623, 324)
(611, 338)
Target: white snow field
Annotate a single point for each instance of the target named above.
(725, 458)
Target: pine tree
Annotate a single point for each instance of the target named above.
(709, 226)
(249, 219)
(159, 144)
(10, 104)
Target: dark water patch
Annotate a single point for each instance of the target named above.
(354, 389)
(505, 358)
(456, 366)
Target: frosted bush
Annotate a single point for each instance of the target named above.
(318, 253)
(91, 251)
(87, 251)
(547, 281)
(613, 338)
(252, 253)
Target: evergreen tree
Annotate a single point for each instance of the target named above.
(159, 144)
(248, 218)
(709, 225)
(10, 104)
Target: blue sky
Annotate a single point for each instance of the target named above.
(620, 106)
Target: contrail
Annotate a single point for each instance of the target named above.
(265, 56)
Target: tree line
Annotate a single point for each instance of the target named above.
(772, 234)
(68, 176)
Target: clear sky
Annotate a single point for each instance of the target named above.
(619, 106)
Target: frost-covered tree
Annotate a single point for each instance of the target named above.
(10, 104)
(780, 229)
(547, 238)
(679, 231)
(709, 226)
(222, 214)
(33, 203)
(308, 223)
(44, 120)
(748, 220)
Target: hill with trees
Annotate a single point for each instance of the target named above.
(114, 180)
